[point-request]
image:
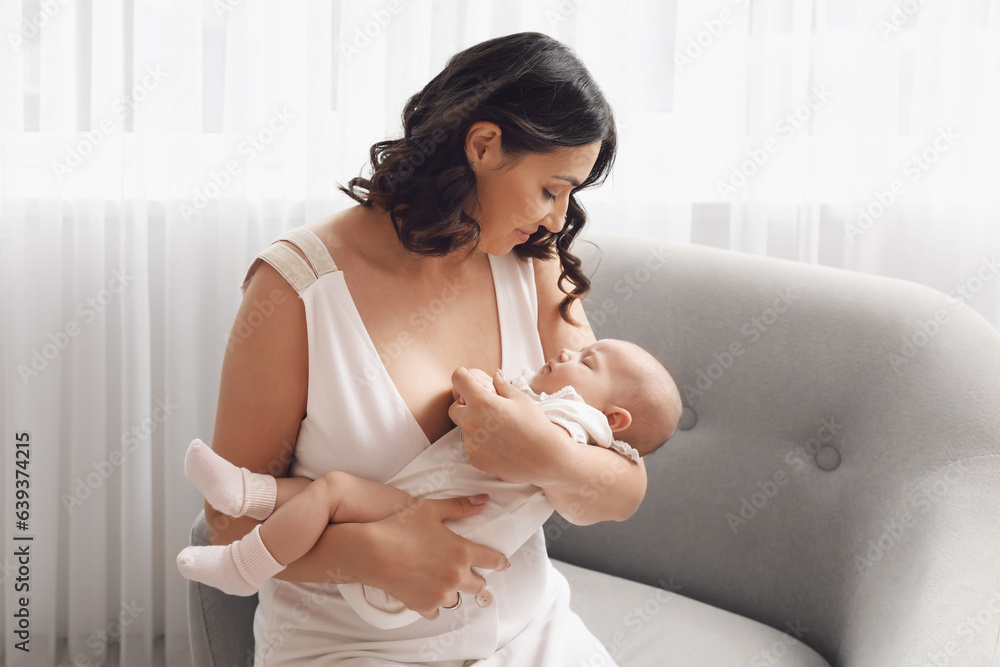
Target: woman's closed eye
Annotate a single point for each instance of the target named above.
(548, 195)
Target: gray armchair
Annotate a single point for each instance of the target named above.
(834, 490)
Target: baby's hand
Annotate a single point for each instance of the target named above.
(479, 376)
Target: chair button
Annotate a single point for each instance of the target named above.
(688, 418)
(484, 598)
(828, 458)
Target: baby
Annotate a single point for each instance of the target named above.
(610, 394)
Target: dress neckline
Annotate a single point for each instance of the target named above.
(355, 314)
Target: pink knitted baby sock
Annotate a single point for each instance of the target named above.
(240, 568)
(229, 489)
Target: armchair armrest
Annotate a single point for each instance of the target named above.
(840, 459)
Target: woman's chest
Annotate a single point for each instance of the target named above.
(422, 333)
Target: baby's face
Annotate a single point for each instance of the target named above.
(591, 371)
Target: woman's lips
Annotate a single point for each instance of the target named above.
(522, 235)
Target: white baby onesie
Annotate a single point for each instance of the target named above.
(514, 511)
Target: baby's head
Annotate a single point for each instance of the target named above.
(626, 383)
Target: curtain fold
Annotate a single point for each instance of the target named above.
(149, 149)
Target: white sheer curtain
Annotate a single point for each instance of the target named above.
(851, 133)
(149, 148)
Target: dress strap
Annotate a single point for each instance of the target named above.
(312, 247)
(289, 264)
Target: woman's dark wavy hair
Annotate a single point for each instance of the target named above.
(542, 98)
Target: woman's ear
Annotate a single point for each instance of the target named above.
(619, 419)
(482, 144)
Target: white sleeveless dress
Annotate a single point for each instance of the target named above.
(356, 422)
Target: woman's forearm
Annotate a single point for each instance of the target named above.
(325, 562)
(589, 484)
(506, 434)
(412, 556)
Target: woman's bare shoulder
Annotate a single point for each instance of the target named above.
(337, 232)
(349, 233)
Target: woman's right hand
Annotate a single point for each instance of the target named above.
(415, 558)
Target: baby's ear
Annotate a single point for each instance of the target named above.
(619, 419)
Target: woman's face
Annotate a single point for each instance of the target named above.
(514, 201)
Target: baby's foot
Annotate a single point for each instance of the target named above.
(240, 568)
(229, 489)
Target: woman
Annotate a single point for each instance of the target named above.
(457, 256)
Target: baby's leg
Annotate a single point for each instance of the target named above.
(336, 497)
(225, 485)
(288, 488)
(230, 489)
(242, 567)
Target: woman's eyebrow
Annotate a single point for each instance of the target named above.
(569, 179)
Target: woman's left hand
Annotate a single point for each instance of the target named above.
(506, 433)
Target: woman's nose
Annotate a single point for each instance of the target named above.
(555, 221)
